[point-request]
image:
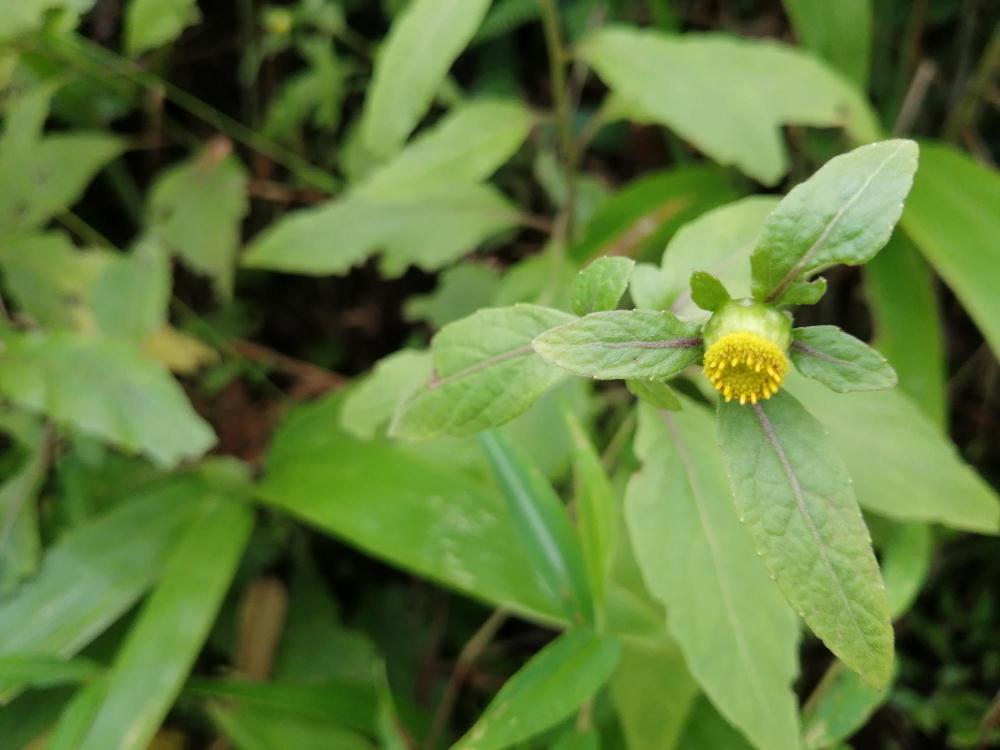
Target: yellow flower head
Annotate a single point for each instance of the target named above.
(745, 350)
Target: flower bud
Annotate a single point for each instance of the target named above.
(746, 345)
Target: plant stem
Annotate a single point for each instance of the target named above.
(466, 658)
(564, 116)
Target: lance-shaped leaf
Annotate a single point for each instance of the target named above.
(794, 494)
(600, 285)
(738, 635)
(552, 685)
(162, 645)
(111, 561)
(623, 344)
(485, 372)
(839, 361)
(597, 514)
(424, 41)
(952, 218)
(654, 392)
(842, 214)
(543, 527)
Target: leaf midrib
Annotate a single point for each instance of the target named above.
(796, 487)
(801, 264)
(742, 645)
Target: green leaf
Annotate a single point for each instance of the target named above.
(106, 389)
(727, 96)
(596, 511)
(644, 213)
(795, 496)
(805, 292)
(131, 294)
(44, 670)
(844, 213)
(428, 229)
(372, 404)
(622, 344)
(313, 96)
(707, 291)
(196, 209)
(467, 146)
(552, 685)
(841, 34)
(543, 528)
(839, 706)
(256, 728)
(20, 547)
(348, 704)
(152, 23)
(41, 176)
(718, 242)
(460, 292)
(402, 505)
(48, 277)
(424, 41)
(111, 562)
(902, 466)
(165, 639)
(905, 560)
(653, 694)
(76, 718)
(600, 286)
(951, 217)
(654, 393)
(738, 636)
(28, 15)
(577, 739)
(904, 303)
(707, 730)
(485, 373)
(839, 361)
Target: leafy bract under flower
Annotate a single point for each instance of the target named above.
(746, 366)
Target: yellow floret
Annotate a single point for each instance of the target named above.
(745, 366)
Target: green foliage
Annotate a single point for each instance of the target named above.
(600, 286)
(700, 85)
(103, 388)
(843, 214)
(152, 23)
(490, 198)
(553, 684)
(839, 361)
(737, 635)
(708, 292)
(622, 344)
(841, 34)
(154, 659)
(424, 42)
(485, 372)
(196, 209)
(952, 219)
(794, 495)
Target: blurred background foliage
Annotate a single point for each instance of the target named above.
(177, 281)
